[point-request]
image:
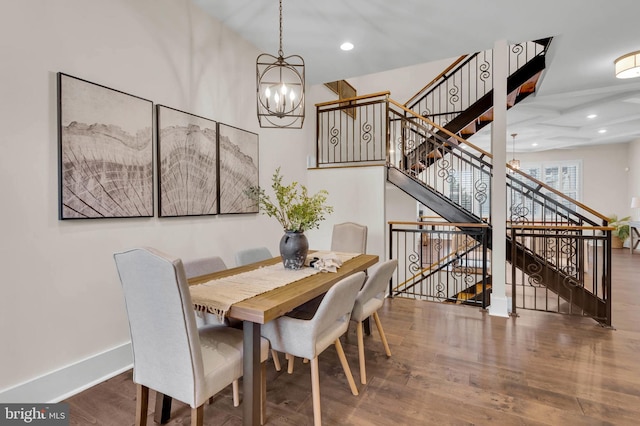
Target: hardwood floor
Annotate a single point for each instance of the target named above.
(451, 365)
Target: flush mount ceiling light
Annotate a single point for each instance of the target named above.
(280, 89)
(628, 66)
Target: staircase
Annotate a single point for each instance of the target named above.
(423, 144)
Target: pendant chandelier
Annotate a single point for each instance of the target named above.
(280, 88)
(515, 164)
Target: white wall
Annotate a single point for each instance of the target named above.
(357, 195)
(403, 83)
(60, 299)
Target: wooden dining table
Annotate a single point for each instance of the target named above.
(265, 307)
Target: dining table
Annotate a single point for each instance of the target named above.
(262, 308)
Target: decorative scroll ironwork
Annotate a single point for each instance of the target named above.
(446, 266)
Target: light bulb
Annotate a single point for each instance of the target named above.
(267, 93)
(283, 89)
(276, 98)
(292, 95)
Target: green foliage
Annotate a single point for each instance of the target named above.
(293, 207)
(622, 230)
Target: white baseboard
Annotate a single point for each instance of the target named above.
(61, 384)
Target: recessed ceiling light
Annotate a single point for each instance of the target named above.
(534, 144)
(602, 131)
(592, 115)
(346, 46)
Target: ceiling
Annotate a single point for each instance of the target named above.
(588, 36)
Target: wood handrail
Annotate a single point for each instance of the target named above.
(439, 76)
(449, 224)
(355, 98)
(489, 155)
(431, 123)
(562, 227)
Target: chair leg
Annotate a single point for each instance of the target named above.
(276, 359)
(363, 371)
(236, 393)
(263, 394)
(315, 392)
(382, 336)
(345, 367)
(197, 416)
(290, 358)
(142, 404)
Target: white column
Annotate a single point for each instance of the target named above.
(499, 304)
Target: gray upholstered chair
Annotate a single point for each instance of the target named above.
(197, 268)
(252, 255)
(349, 237)
(170, 354)
(309, 338)
(205, 266)
(369, 300)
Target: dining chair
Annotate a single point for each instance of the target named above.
(204, 266)
(369, 299)
(170, 354)
(252, 255)
(349, 237)
(308, 338)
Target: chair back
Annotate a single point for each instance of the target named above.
(166, 348)
(203, 266)
(349, 237)
(371, 296)
(335, 309)
(252, 255)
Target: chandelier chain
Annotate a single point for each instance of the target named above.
(280, 52)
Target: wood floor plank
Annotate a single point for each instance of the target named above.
(451, 365)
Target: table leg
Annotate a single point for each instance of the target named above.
(632, 245)
(163, 408)
(251, 374)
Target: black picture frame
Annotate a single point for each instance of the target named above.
(105, 152)
(238, 169)
(187, 154)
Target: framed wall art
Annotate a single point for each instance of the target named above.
(187, 164)
(238, 167)
(105, 152)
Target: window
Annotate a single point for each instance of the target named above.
(563, 176)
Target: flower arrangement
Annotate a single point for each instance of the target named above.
(293, 207)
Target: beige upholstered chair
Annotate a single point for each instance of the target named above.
(369, 300)
(309, 338)
(170, 354)
(252, 255)
(349, 237)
